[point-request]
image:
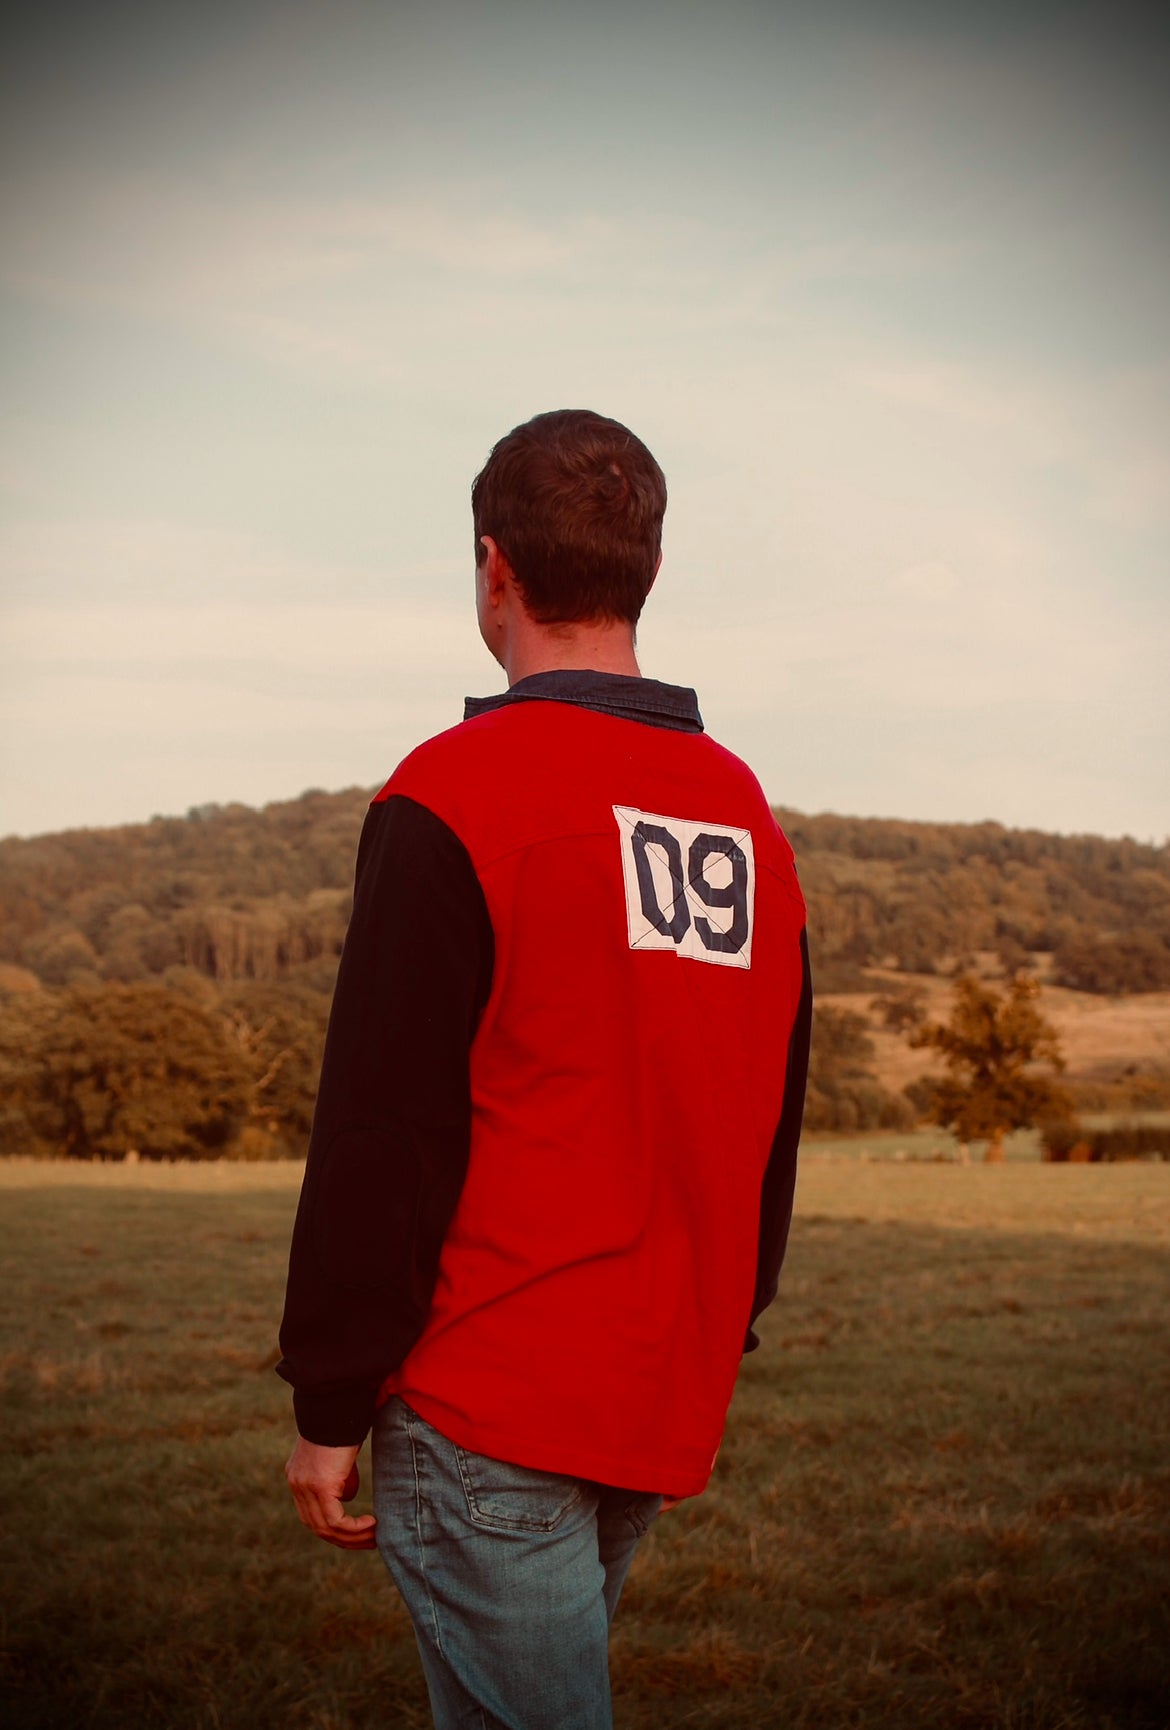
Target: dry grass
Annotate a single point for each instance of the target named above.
(943, 1498)
(191, 1176)
(1096, 1033)
(1120, 1030)
(1126, 1203)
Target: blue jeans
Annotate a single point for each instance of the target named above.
(511, 1577)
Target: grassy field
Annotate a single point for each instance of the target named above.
(934, 1146)
(943, 1500)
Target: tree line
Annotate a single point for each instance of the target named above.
(232, 894)
(929, 897)
(164, 987)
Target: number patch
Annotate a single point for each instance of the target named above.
(690, 887)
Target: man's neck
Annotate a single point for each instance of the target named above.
(588, 646)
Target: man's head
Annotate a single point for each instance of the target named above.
(574, 502)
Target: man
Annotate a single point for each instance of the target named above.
(551, 1171)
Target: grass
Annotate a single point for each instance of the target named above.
(943, 1498)
(935, 1146)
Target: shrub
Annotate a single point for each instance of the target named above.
(1113, 965)
(1066, 1142)
(843, 1093)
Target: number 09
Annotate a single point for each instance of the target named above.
(693, 884)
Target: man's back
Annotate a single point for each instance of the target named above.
(627, 1077)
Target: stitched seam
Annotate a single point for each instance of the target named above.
(418, 1533)
(501, 1522)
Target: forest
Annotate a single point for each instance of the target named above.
(190, 960)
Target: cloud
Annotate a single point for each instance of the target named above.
(154, 244)
(115, 566)
(347, 286)
(112, 712)
(1110, 428)
(407, 640)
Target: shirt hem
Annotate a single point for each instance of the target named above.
(659, 1475)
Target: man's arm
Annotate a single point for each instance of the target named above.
(779, 1185)
(391, 1130)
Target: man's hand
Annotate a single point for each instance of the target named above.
(321, 1479)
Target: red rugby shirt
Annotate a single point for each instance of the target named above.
(580, 1176)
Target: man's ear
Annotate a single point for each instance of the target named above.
(494, 570)
(654, 573)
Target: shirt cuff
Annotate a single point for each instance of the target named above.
(338, 1417)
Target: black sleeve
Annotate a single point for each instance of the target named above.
(391, 1129)
(780, 1176)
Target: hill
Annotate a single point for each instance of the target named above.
(236, 893)
(1091, 914)
(216, 935)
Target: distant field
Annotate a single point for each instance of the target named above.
(1095, 1032)
(933, 1146)
(943, 1499)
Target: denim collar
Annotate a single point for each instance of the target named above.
(646, 700)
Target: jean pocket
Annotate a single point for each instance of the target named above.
(515, 1498)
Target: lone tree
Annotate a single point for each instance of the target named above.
(991, 1046)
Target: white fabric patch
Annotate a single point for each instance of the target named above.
(690, 887)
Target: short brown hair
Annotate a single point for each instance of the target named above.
(575, 503)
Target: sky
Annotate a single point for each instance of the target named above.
(884, 286)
